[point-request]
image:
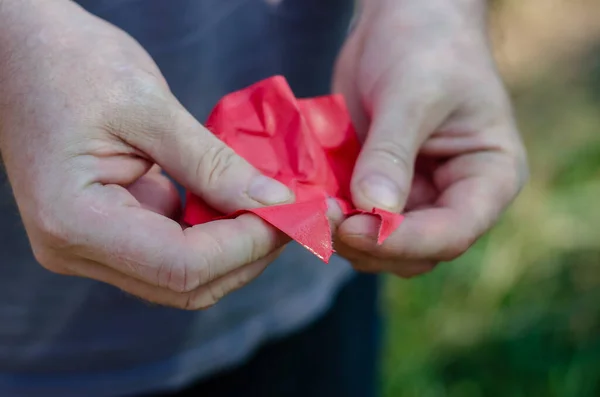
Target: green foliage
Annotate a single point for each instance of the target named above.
(519, 315)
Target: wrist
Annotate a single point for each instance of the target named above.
(14, 16)
(471, 12)
(25, 27)
(461, 24)
(476, 5)
(18, 22)
(27, 23)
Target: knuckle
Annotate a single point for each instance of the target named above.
(258, 242)
(187, 303)
(212, 249)
(137, 86)
(256, 249)
(200, 270)
(164, 274)
(139, 109)
(244, 278)
(429, 92)
(174, 276)
(208, 297)
(48, 259)
(394, 154)
(215, 163)
(54, 231)
(203, 275)
(424, 80)
(214, 294)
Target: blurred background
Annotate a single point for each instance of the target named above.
(519, 315)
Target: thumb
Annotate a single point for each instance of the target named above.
(202, 163)
(384, 169)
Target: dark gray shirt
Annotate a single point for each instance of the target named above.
(64, 336)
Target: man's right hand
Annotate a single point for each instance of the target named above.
(86, 119)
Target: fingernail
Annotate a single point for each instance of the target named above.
(382, 191)
(268, 191)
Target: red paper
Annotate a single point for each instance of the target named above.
(308, 144)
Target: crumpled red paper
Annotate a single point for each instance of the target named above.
(309, 145)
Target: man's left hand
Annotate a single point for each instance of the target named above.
(440, 140)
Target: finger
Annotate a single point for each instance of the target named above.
(347, 252)
(217, 289)
(384, 169)
(192, 155)
(366, 263)
(155, 249)
(422, 193)
(476, 189)
(155, 168)
(345, 84)
(155, 192)
(410, 269)
(400, 269)
(200, 298)
(334, 214)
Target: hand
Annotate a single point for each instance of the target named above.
(440, 140)
(85, 120)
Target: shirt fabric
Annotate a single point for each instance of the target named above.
(339, 355)
(66, 336)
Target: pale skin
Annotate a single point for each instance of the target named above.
(440, 137)
(82, 147)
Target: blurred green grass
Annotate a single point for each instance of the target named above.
(519, 315)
